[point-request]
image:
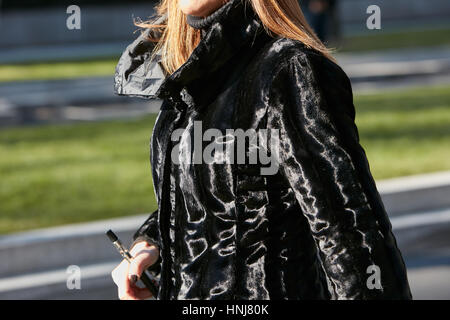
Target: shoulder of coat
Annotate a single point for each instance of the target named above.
(281, 50)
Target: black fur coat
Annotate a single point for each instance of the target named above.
(314, 228)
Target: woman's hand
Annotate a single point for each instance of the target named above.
(125, 275)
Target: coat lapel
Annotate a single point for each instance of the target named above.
(140, 74)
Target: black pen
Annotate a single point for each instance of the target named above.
(127, 256)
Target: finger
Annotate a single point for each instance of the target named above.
(138, 293)
(128, 290)
(141, 262)
(119, 271)
(133, 292)
(124, 288)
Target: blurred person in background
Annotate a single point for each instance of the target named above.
(310, 230)
(321, 15)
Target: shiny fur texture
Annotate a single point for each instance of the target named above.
(312, 230)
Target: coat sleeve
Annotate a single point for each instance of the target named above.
(318, 154)
(148, 232)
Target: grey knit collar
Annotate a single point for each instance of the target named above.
(204, 23)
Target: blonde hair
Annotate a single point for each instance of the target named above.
(178, 39)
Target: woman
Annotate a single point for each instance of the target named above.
(311, 227)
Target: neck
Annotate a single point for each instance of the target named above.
(204, 23)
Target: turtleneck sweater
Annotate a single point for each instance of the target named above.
(203, 23)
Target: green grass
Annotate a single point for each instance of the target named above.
(406, 132)
(381, 40)
(57, 70)
(52, 175)
(59, 174)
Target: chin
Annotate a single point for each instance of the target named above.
(198, 8)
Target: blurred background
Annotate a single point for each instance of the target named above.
(74, 158)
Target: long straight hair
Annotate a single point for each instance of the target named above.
(177, 39)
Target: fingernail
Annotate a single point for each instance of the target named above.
(133, 278)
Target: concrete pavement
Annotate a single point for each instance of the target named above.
(427, 283)
(428, 274)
